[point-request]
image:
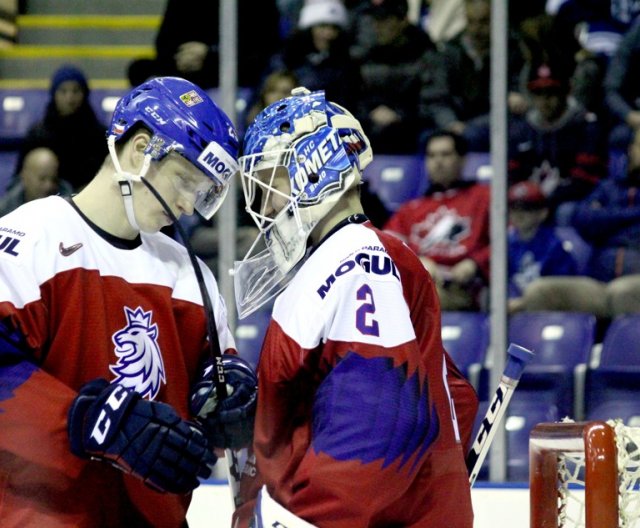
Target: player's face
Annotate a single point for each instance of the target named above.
(275, 188)
(179, 182)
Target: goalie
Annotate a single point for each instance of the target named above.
(355, 425)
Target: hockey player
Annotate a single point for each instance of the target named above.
(355, 425)
(104, 358)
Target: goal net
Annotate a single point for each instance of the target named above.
(584, 474)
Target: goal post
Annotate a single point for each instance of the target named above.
(584, 474)
(591, 448)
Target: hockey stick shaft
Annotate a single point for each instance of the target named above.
(215, 351)
(517, 359)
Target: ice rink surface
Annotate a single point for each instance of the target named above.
(495, 506)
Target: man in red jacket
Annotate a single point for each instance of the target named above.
(448, 228)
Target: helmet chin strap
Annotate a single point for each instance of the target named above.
(125, 181)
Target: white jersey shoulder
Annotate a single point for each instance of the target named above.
(349, 289)
(48, 237)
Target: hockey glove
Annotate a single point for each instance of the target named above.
(144, 438)
(227, 423)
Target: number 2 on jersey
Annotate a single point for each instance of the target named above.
(364, 320)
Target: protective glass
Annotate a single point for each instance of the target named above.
(209, 198)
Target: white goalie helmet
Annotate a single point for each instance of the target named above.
(323, 150)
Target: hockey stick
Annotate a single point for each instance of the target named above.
(517, 359)
(231, 457)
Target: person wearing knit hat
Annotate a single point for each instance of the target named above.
(69, 89)
(69, 127)
(69, 72)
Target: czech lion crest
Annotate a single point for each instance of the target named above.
(139, 365)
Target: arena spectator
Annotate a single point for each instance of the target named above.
(534, 248)
(580, 37)
(557, 144)
(187, 43)
(70, 128)
(448, 228)
(390, 72)
(317, 52)
(455, 87)
(38, 178)
(609, 219)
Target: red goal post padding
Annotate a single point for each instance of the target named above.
(593, 444)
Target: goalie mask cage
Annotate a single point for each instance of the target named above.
(584, 474)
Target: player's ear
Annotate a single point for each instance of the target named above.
(137, 145)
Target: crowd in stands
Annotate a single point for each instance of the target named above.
(417, 74)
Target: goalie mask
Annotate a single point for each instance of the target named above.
(182, 118)
(303, 153)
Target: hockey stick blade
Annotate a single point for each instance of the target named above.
(517, 359)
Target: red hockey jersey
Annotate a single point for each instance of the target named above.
(89, 305)
(354, 425)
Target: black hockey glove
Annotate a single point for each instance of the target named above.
(228, 424)
(144, 438)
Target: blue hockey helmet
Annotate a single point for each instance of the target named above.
(324, 150)
(183, 119)
(328, 143)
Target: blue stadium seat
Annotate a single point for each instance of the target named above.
(522, 416)
(103, 101)
(615, 376)
(626, 410)
(465, 336)
(562, 343)
(19, 109)
(477, 166)
(396, 178)
(250, 333)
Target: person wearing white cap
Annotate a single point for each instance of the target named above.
(323, 12)
(317, 52)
